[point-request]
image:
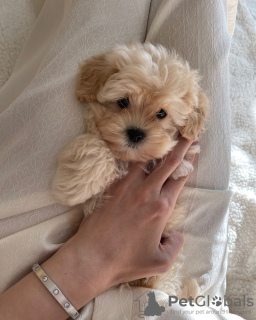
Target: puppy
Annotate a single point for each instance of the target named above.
(139, 98)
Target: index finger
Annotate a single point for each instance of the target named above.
(164, 169)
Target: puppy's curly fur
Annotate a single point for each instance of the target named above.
(139, 98)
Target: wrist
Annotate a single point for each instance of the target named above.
(78, 272)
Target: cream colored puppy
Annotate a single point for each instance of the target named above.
(139, 98)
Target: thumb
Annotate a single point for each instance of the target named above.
(171, 246)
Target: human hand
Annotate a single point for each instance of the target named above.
(122, 240)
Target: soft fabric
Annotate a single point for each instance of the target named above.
(29, 61)
(232, 11)
(41, 115)
(251, 4)
(16, 21)
(241, 278)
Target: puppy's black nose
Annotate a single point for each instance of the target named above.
(135, 135)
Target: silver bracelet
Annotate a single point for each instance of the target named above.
(55, 291)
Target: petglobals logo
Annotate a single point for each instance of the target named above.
(217, 301)
(147, 304)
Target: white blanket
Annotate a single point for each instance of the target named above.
(241, 277)
(40, 115)
(16, 21)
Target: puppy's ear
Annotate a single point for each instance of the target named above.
(195, 119)
(93, 74)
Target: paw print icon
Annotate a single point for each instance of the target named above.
(217, 301)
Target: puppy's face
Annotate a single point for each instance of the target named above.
(142, 97)
(137, 127)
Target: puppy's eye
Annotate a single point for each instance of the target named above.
(161, 114)
(123, 103)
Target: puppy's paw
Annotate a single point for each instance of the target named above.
(186, 167)
(182, 170)
(85, 168)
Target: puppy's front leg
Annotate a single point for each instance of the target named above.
(85, 168)
(185, 167)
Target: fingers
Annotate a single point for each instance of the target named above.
(169, 249)
(172, 245)
(136, 174)
(163, 170)
(137, 170)
(172, 188)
